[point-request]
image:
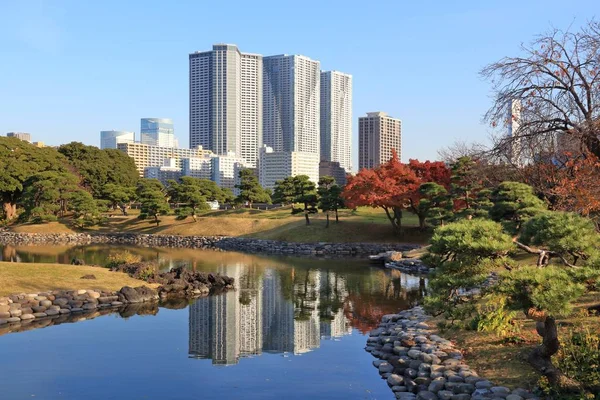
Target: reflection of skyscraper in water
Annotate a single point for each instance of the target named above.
(306, 323)
(251, 313)
(200, 336)
(214, 325)
(337, 327)
(334, 291)
(278, 316)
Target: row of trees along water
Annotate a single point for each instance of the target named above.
(44, 184)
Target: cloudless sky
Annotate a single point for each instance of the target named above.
(69, 69)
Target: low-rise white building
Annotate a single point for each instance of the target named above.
(225, 170)
(146, 155)
(164, 173)
(275, 166)
(197, 167)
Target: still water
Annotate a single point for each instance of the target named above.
(294, 328)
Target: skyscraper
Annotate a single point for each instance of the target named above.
(291, 103)
(157, 132)
(110, 139)
(514, 124)
(336, 118)
(378, 134)
(226, 101)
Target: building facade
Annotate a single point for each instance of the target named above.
(378, 135)
(225, 170)
(145, 155)
(168, 171)
(291, 103)
(197, 167)
(20, 135)
(333, 169)
(336, 118)
(157, 132)
(226, 101)
(110, 139)
(278, 165)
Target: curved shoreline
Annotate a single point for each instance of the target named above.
(418, 364)
(241, 244)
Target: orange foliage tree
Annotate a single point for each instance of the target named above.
(575, 186)
(387, 186)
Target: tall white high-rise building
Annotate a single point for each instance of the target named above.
(336, 118)
(514, 124)
(226, 101)
(291, 103)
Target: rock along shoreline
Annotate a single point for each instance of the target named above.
(245, 245)
(418, 364)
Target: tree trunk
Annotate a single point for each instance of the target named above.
(541, 357)
(10, 210)
(421, 221)
(327, 224)
(156, 219)
(123, 208)
(306, 217)
(337, 219)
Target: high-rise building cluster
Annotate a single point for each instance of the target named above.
(24, 136)
(281, 113)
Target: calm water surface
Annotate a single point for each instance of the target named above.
(294, 328)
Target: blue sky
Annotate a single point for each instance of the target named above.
(69, 69)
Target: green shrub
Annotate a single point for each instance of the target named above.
(579, 357)
(493, 316)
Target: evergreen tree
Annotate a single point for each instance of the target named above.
(84, 208)
(305, 192)
(188, 192)
(250, 189)
(284, 192)
(20, 161)
(119, 196)
(514, 203)
(150, 193)
(46, 195)
(100, 167)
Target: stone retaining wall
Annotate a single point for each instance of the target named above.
(247, 245)
(23, 308)
(417, 364)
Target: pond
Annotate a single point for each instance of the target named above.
(293, 328)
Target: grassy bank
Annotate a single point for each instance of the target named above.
(34, 278)
(362, 225)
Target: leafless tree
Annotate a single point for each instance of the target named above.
(461, 148)
(557, 81)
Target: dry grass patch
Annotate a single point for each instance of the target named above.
(46, 227)
(34, 278)
(506, 363)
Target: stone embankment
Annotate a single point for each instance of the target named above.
(178, 282)
(24, 308)
(413, 266)
(247, 245)
(417, 364)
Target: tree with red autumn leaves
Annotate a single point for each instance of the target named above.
(386, 186)
(419, 201)
(394, 186)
